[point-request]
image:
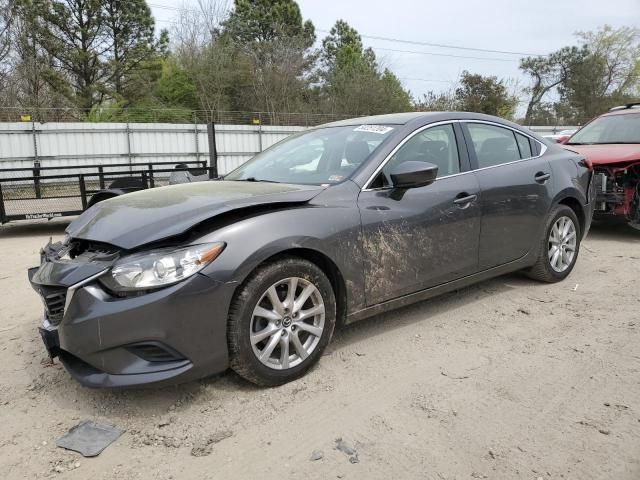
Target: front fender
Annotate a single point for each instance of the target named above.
(333, 232)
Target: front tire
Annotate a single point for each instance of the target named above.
(559, 247)
(280, 321)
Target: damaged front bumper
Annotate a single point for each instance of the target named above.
(618, 193)
(165, 336)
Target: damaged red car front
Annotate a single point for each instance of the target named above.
(611, 145)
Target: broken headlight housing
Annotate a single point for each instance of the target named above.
(159, 268)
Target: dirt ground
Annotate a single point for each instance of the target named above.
(508, 379)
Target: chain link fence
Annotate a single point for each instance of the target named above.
(165, 115)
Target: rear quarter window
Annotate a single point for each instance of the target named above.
(524, 146)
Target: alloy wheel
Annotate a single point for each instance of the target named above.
(287, 323)
(562, 244)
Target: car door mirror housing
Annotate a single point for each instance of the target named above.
(414, 174)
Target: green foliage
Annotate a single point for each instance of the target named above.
(175, 88)
(72, 34)
(104, 56)
(257, 21)
(489, 95)
(90, 52)
(352, 80)
(437, 102)
(129, 30)
(475, 93)
(602, 72)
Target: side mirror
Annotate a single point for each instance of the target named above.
(413, 174)
(563, 139)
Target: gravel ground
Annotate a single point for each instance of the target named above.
(506, 379)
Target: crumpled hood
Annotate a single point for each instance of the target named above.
(607, 154)
(138, 218)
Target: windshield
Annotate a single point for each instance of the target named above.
(315, 157)
(609, 129)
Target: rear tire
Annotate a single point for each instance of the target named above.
(559, 246)
(276, 336)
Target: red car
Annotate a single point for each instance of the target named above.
(611, 145)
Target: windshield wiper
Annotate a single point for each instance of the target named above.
(254, 179)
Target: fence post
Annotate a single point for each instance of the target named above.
(83, 192)
(152, 182)
(260, 131)
(101, 176)
(195, 131)
(128, 132)
(36, 161)
(3, 213)
(213, 150)
(36, 178)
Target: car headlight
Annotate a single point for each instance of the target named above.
(161, 267)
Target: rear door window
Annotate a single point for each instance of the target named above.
(493, 145)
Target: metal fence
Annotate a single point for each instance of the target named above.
(65, 137)
(34, 144)
(166, 115)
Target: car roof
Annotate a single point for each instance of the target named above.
(422, 117)
(622, 111)
(388, 119)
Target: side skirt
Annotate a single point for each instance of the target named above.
(428, 293)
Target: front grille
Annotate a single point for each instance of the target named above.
(54, 301)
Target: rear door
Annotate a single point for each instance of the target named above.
(420, 237)
(515, 182)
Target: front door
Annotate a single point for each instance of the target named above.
(420, 237)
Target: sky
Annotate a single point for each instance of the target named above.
(516, 26)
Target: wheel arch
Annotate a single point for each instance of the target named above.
(571, 201)
(324, 263)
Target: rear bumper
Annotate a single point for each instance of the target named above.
(169, 336)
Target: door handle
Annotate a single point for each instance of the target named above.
(465, 200)
(542, 177)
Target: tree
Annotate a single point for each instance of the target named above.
(5, 39)
(489, 95)
(262, 21)
(129, 33)
(608, 75)
(397, 98)
(603, 71)
(73, 33)
(619, 52)
(31, 67)
(207, 58)
(274, 43)
(343, 48)
(175, 88)
(352, 80)
(549, 72)
(437, 102)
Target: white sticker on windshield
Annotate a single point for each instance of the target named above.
(381, 129)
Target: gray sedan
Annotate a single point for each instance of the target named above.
(330, 226)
